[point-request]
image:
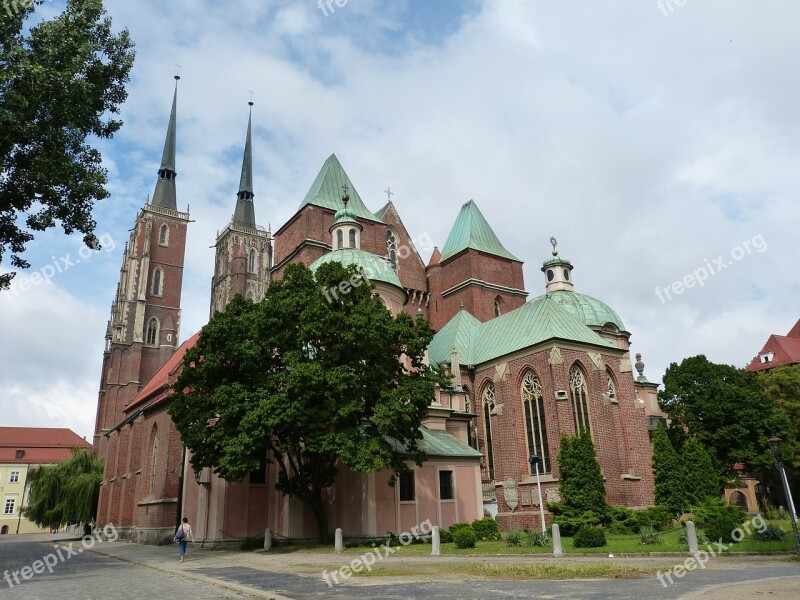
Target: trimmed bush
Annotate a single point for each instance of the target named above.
(486, 529)
(464, 537)
(658, 517)
(720, 526)
(649, 536)
(621, 520)
(717, 509)
(514, 538)
(589, 536)
(569, 522)
(770, 534)
(537, 538)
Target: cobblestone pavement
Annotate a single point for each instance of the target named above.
(123, 570)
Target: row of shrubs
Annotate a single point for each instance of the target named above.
(464, 535)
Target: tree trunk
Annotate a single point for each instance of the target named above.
(315, 502)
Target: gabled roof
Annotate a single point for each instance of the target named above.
(40, 444)
(165, 376)
(326, 191)
(472, 231)
(537, 321)
(786, 351)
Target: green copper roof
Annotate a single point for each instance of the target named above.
(373, 266)
(457, 334)
(556, 260)
(472, 231)
(537, 321)
(327, 190)
(439, 443)
(590, 311)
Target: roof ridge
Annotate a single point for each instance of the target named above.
(471, 230)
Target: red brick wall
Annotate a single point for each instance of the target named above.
(619, 430)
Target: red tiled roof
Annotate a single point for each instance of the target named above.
(795, 331)
(786, 351)
(40, 444)
(166, 375)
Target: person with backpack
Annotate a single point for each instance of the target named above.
(182, 535)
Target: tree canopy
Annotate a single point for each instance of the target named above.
(580, 478)
(60, 80)
(726, 409)
(306, 383)
(66, 492)
(667, 473)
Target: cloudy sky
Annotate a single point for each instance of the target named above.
(653, 141)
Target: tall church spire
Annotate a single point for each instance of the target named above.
(164, 195)
(245, 213)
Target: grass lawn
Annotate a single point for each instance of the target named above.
(616, 544)
(520, 571)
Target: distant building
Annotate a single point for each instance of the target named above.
(22, 448)
(779, 351)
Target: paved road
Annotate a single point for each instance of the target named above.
(85, 575)
(121, 570)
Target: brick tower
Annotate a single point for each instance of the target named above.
(244, 250)
(143, 329)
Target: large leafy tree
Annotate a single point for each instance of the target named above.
(782, 386)
(308, 383)
(725, 408)
(580, 478)
(668, 473)
(60, 82)
(66, 492)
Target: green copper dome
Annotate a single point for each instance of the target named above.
(344, 215)
(372, 265)
(590, 311)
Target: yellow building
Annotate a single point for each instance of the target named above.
(22, 448)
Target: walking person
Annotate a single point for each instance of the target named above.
(183, 535)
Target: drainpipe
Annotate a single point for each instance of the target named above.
(180, 488)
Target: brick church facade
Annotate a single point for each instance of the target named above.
(525, 371)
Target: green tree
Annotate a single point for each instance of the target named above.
(59, 81)
(701, 481)
(308, 383)
(66, 492)
(782, 386)
(580, 478)
(725, 408)
(668, 473)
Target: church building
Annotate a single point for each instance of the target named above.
(525, 372)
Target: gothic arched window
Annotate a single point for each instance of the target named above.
(339, 239)
(535, 423)
(498, 305)
(488, 409)
(578, 396)
(163, 235)
(391, 248)
(152, 332)
(611, 388)
(352, 235)
(251, 261)
(153, 461)
(158, 282)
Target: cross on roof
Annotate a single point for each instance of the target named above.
(554, 243)
(389, 193)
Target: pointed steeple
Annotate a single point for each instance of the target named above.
(245, 213)
(327, 188)
(472, 231)
(164, 194)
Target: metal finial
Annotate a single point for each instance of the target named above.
(639, 364)
(345, 195)
(554, 243)
(177, 71)
(252, 93)
(389, 193)
(462, 305)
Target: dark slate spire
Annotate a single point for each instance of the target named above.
(164, 196)
(245, 213)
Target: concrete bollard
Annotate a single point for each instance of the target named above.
(558, 550)
(691, 538)
(267, 540)
(436, 542)
(339, 545)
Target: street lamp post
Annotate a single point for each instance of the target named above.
(535, 460)
(775, 446)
